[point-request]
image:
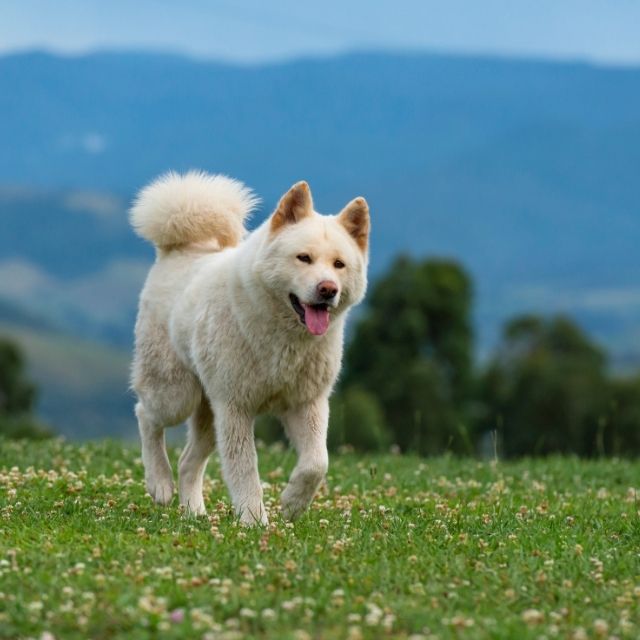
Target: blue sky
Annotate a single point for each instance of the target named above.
(603, 31)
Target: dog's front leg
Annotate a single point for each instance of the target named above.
(236, 445)
(306, 427)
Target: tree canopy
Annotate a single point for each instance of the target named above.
(412, 352)
(17, 395)
(409, 373)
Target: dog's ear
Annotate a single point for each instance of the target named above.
(355, 219)
(293, 206)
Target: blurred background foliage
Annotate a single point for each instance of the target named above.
(410, 380)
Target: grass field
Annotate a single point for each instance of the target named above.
(394, 547)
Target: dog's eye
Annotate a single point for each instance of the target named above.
(338, 264)
(304, 257)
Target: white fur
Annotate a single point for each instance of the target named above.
(219, 342)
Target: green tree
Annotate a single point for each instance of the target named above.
(356, 419)
(412, 351)
(618, 431)
(545, 390)
(17, 396)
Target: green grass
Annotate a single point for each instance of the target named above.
(394, 547)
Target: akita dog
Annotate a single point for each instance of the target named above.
(232, 325)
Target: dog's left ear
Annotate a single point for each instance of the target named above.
(355, 219)
(293, 206)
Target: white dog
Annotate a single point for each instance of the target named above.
(230, 327)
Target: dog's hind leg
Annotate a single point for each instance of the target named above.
(306, 427)
(163, 403)
(194, 458)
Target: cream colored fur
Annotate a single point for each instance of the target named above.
(218, 340)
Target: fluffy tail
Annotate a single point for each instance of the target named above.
(176, 210)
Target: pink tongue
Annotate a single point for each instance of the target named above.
(317, 320)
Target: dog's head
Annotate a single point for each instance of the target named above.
(315, 265)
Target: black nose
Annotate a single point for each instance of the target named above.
(327, 290)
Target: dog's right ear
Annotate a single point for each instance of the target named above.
(293, 206)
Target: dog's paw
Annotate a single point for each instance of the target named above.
(160, 488)
(301, 489)
(193, 505)
(293, 508)
(250, 517)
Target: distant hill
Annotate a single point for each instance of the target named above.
(525, 171)
(82, 386)
(70, 257)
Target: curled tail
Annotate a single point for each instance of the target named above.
(177, 210)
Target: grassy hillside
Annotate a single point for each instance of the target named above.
(83, 385)
(393, 547)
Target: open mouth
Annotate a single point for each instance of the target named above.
(313, 316)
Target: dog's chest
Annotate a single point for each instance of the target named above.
(294, 375)
(268, 373)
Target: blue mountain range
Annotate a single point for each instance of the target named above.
(526, 172)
